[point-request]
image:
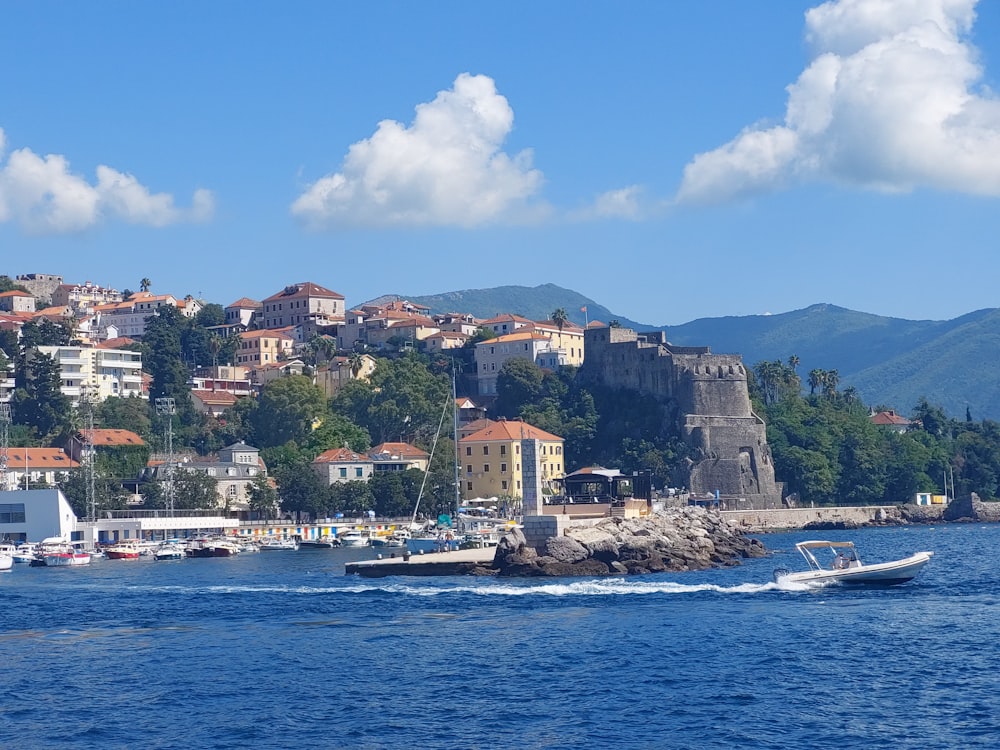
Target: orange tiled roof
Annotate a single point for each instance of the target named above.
(265, 333)
(121, 342)
(305, 289)
(339, 455)
(510, 429)
(404, 450)
(246, 302)
(890, 418)
(215, 397)
(15, 293)
(518, 336)
(112, 437)
(504, 318)
(39, 458)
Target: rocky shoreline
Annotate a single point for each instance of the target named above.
(676, 539)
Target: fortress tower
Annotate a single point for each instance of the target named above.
(706, 396)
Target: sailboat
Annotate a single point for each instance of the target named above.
(440, 537)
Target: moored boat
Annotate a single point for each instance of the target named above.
(323, 542)
(7, 556)
(62, 554)
(354, 538)
(846, 567)
(169, 551)
(126, 550)
(275, 544)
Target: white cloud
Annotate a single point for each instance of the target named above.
(624, 203)
(42, 195)
(890, 101)
(446, 168)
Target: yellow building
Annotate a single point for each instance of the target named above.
(263, 347)
(491, 459)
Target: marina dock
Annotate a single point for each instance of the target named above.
(461, 562)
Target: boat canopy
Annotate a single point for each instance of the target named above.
(822, 545)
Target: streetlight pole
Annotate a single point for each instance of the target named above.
(167, 407)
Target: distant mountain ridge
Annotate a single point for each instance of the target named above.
(890, 361)
(532, 302)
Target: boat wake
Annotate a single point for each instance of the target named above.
(590, 587)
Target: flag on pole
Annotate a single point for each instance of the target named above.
(583, 309)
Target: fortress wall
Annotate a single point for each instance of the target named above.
(709, 393)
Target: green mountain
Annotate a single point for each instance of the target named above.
(890, 361)
(532, 302)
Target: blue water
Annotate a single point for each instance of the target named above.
(281, 650)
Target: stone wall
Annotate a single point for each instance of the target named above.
(708, 403)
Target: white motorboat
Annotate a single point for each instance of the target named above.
(845, 567)
(273, 544)
(354, 538)
(7, 552)
(323, 542)
(60, 555)
(25, 554)
(169, 551)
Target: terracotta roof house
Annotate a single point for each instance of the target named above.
(17, 301)
(492, 463)
(40, 465)
(213, 403)
(891, 419)
(298, 303)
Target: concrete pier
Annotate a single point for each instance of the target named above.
(461, 562)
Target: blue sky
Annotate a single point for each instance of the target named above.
(669, 160)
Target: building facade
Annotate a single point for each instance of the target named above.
(491, 464)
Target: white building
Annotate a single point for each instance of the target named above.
(106, 372)
(33, 515)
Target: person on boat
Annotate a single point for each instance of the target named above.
(840, 562)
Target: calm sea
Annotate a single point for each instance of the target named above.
(281, 650)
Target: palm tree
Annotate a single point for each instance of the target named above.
(793, 361)
(215, 346)
(145, 284)
(816, 379)
(355, 362)
(560, 318)
(830, 383)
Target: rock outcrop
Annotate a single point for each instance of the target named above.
(971, 508)
(677, 539)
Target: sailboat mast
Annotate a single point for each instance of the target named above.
(458, 476)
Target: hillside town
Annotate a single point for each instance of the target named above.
(303, 329)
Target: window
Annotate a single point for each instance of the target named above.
(468, 450)
(12, 513)
(468, 486)
(503, 450)
(503, 484)
(468, 469)
(486, 450)
(359, 472)
(503, 468)
(486, 468)
(343, 472)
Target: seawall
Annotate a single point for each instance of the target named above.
(758, 521)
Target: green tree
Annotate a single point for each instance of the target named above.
(288, 409)
(401, 401)
(817, 378)
(145, 284)
(38, 400)
(131, 413)
(263, 498)
(518, 383)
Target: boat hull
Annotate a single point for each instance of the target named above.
(59, 560)
(879, 574)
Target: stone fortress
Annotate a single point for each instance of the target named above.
(707, 400)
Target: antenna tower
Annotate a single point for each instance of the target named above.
(4, 445)
(167, 407)
(87, 402)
